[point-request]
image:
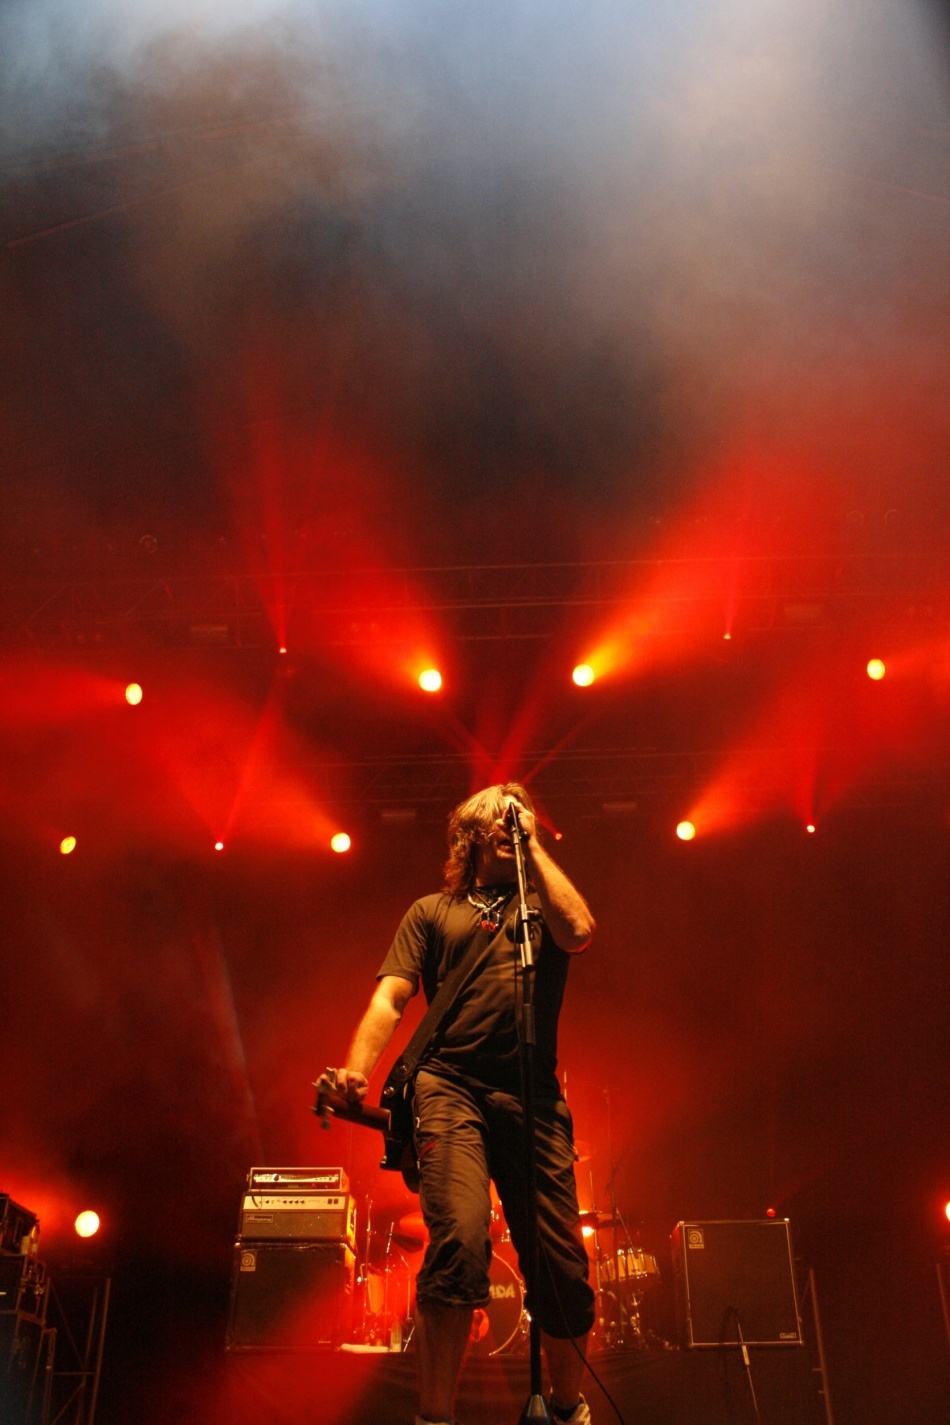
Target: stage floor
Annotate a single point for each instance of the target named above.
(661, 1387)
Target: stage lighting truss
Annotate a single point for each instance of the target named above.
(471, 603)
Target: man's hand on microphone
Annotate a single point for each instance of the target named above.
(526, 822)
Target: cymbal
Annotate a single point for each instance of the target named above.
(408, 1241)
(597, 1220)
(386, 1249)
(411, 1231)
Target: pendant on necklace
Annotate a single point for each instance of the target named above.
(489, 924)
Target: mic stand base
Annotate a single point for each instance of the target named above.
(536, 1410)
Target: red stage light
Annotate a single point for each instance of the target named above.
(686, 831)
(770, 1212)
(583, 675)
(133, 694)
(810, 828)
(430, 680)
(219, 846)
(67, 846)
(946, 1211)
(340, 842)
(87, 1224)
(876, 669)
(282, 648)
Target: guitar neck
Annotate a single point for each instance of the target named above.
(331, 1104)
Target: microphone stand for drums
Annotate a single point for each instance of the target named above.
(536, 1408)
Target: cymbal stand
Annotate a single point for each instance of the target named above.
(362, 1273)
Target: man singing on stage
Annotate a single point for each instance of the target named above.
(467, 1096)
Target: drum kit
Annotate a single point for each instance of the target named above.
(622, 1275)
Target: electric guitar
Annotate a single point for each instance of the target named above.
(394, 1122)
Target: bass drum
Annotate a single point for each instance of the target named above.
(499, 1327)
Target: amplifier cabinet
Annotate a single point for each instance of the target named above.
(290, 1296)
(305, 1217)
(725, 1269)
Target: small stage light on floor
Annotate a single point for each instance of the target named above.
(340, 842)
(133, 694)
(67, 846)
(876, 669)
(583, 675)
(87, 1224)
(430, 680)
(686, 831)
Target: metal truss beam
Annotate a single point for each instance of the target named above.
(328, 607)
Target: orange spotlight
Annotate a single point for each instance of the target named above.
(133, 694)
(727, 636)
(430, 680)
(340, 842)
(583, 675)
(686, 831)
(219, 846)
(876, 669)
(87, 1224)
(67, 846)
(587, 1230)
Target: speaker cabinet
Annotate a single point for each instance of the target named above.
(735, 1275)
(290, 1296)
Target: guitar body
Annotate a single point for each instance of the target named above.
(394, 1122)
(399, 1148)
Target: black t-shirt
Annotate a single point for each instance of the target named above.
(478, 1039)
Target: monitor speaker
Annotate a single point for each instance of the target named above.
(290, 1296)
(735, 1281)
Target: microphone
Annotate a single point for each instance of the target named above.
(511, 817)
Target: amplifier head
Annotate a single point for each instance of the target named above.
(296, 1179)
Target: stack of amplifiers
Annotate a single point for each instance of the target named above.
(294, 1261)
(733, 1277)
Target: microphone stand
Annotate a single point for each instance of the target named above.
(536, 1408)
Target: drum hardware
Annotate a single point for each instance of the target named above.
(623, 1275)
(384, 1288)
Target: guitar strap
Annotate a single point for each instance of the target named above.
(461, 972)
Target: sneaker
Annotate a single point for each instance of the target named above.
(580, 1415)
